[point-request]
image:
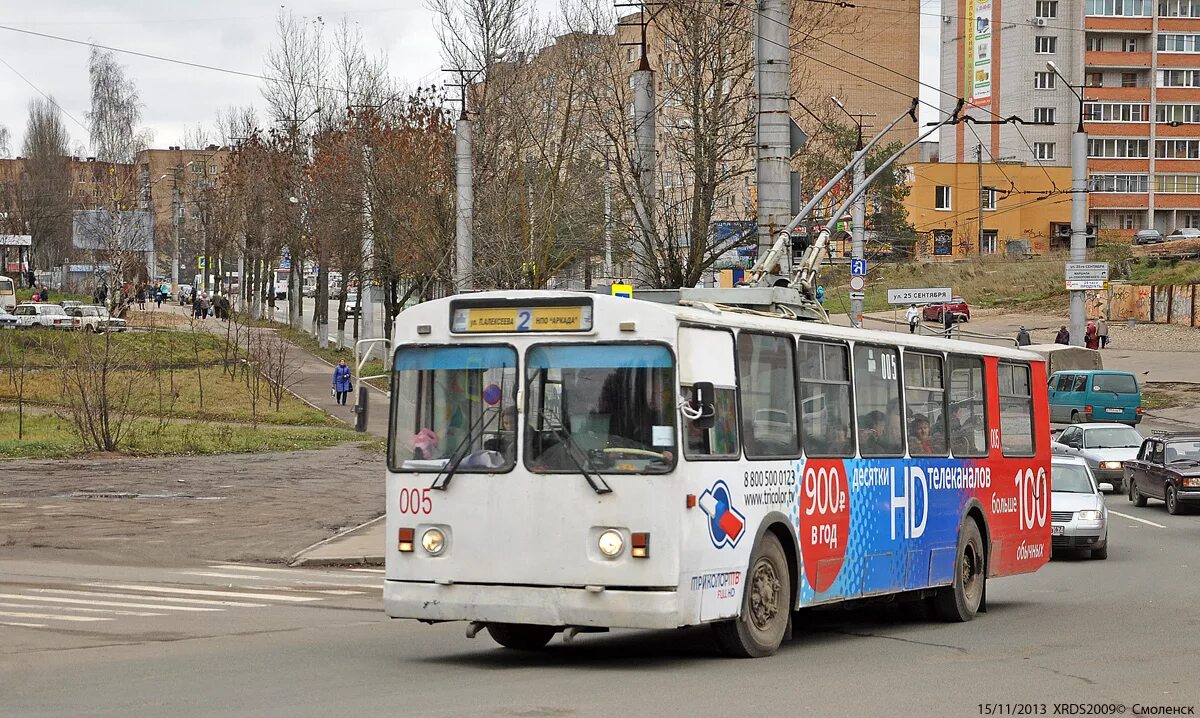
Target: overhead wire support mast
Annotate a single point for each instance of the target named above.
(807, 273)
(783, 241)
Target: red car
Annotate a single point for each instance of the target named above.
(958, 305)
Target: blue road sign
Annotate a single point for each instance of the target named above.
(858, 267)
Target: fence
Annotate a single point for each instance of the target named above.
(1166, 304)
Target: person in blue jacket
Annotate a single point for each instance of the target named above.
(342, 386)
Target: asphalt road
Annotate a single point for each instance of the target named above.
(314, 643)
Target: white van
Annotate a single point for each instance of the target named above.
(8, 294)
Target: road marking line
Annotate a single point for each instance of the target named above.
(56, 599)
(1135, 518)
(163, 599)
(22, 625)
(199, 592)
(52, 617)
(298, 580)
(368, 570)
(294, 572)
(333, 592)
(88, 610)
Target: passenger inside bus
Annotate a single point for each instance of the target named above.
(920, 440)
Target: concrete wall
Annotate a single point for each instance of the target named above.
(1179, 304)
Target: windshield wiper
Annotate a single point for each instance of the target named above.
(460, 452)
(573, 452)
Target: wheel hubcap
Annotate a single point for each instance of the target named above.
(970, 569)
(764, 595)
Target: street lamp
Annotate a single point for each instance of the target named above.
(1078, 207)
(858, 210)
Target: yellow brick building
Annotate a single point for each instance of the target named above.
(1026, 209)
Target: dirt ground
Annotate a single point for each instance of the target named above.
(166, 511)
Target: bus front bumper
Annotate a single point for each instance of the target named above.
(538, 605)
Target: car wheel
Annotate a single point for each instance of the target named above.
(1102, 552)
(1075, 418)
(521, 637)
(766, 605)
(960, 601)
(964, 318)
(1173, 507)
(1135, 495)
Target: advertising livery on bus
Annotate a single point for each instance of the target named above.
(572, 462)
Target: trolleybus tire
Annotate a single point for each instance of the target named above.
(521, 637)
(766, 605)
(960, 601)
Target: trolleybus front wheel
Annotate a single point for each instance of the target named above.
(960, 601)
(519, 636)
(766, 605)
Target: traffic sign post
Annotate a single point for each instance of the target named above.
(858, 267)
(1087, 271)
(919, 296)
(857, 283)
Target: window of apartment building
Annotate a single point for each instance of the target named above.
(197, 168)
(1043, 114)
(1118, 147)
(941, 197)
(1179, 78)
(1171, 42)
(212, 169)
(629, 57)
(1043, 150)
(1129, 44)
(1094, 79)
(1043, 80)
(1126, 220)
(988, 197)
(1116, 112)
(1177, 184)
(1121, 8)
(1095, 43)
(1183, 114)
(1179, 8)
(1120, 183)
(988, 239)
(1177, 149)
(1187, 219)
(1046, 8)
(1129, 79)
(1045, 44)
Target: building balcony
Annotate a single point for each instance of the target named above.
(1170, 200)
(1179, 24)
(1179, 59)
(1126, 25)
(1118, 165)
(1178, 95)
(1095, 59)
(1117, 129)
(1188, 132)
(1118, 200)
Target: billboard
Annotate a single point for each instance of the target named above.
(978, 53)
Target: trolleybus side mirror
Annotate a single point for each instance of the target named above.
(704, 400)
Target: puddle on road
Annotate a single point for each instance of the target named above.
(118, 495)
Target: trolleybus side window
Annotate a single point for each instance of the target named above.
(720, 441)
(877, 395)
(825, 407)
(600, 407)
(1016, 410)
(454, 404)
(925, 400)
(767, 384)
(966, 424)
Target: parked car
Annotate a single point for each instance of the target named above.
(42, 315)
(1078, 516)
(1147, 236)
(1166, 468)
(352, 305)
(1185, 233)
(1085, 396)
(70, 303)
(95, 318)
(7, 320)
(958, 305)
(1105, 447)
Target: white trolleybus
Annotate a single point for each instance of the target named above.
(573, 462)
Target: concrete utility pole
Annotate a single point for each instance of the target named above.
(177, 220)
(980, 190)
(644, 129)
(464, 168)
(1079, 193)
(773, 64)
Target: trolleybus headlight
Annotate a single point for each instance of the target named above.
(433, 541)
(611, 543)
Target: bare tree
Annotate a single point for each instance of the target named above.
(15, 358)
(99, 377)
(236, 124)
(44, 195)
(5, 142)
(116, 110)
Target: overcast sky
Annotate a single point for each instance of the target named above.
(231, 34)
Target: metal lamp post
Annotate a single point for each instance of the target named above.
(1078, 208)
(858, 216)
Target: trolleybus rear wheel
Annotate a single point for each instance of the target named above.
(519, 636)
(766, 605)
(960, 600)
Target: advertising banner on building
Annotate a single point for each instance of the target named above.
(978, 55)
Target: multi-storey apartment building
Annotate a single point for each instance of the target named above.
(1136, 64)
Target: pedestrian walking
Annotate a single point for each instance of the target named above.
(1090, 340)
(204, 306)
(1063, 336)
(1023, 339)
(948, 321)
(912, 316)
(141, 299)
(821, 295)
(342, 385)
(1102, 332)
(195, 305)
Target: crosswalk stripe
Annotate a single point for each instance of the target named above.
(114, 611)
(53, 617)
(56, 599)
(368, 570)
(22, 624)
(160, 599)
(201, 592)
(297, 580)
(337, 592)
(301, 574)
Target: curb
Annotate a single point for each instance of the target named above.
(298, 558)
(347, 561)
